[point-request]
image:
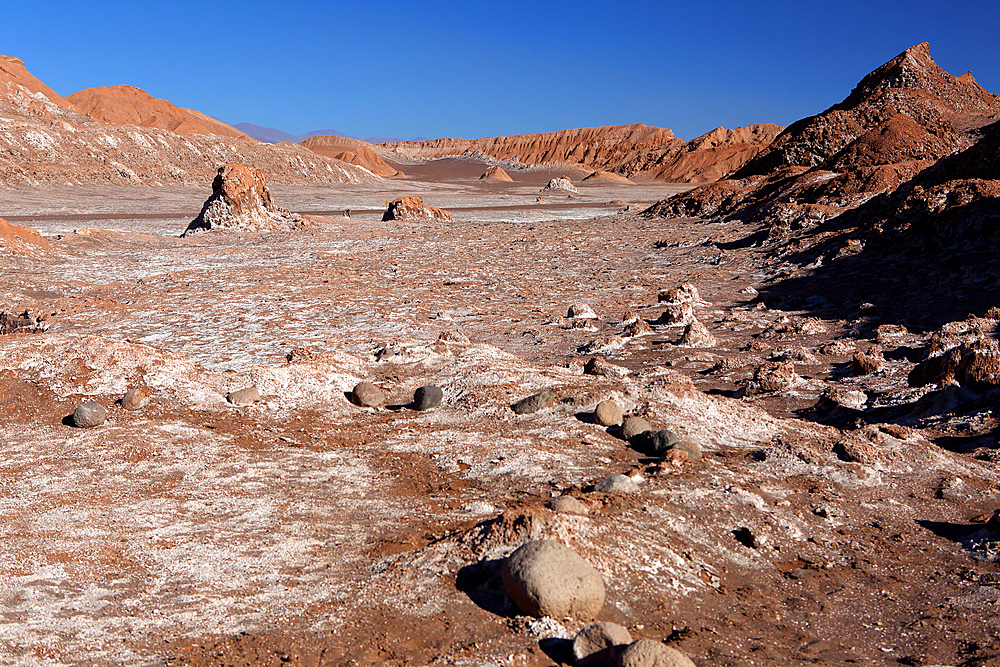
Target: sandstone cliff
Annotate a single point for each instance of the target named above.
(128, 105)
(633, 151)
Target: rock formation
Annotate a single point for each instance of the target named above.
(413, 208)
(240, 201)
(607, 177)
(128, 105)
(561, 183)
(496, 174)
(352, 151)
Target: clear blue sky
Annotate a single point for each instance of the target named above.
(473, 69)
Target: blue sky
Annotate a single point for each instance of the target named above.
(474, 69)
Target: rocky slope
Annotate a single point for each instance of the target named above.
(634, 151)
(352, 151)
(128, 105)
(897, 121)
(43, 140)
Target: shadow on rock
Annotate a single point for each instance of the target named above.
(483, 584)
(558, 650)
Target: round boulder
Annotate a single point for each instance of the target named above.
(616, 484)
(649, 653)
(567, 505)
(89, 414)
(633, 426)
(534, 403)
(599, 644)
(427, 397)
(367, 395)
(546, 578)
(607, 413)
(244, 396)
(136, 398)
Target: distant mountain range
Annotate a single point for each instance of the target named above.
(271, 135)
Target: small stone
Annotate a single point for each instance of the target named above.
(367, 395)
(546, 578)
(136, 398)
(595, 366)
(243, 396)
(599, 644)
(567, 505)
(649, 653)
(581, 311)
(534, 403)
(633, 426)
(608, 413)
(89, 414)
(617, 484)
(427, 397)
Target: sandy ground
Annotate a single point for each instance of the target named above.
(306, 530)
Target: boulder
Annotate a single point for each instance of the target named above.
(616, 484)
(89, 414)
(546, 578)
(367, 395)
(677, 313)
(773, 376)
(649, 653)
(596, 366)
(427, 397)
(413, 208)
(598, 644)
(697, 334)
(534, 403)
(686, 293)
(567, 505)
(241, 201)
(581, 311)
(633, 426)
(136, 398)
(608, 413)
(245, 396)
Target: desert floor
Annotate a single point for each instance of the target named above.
(306, 530)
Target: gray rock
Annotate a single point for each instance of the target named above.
(244, 396)
(89, 414)
(136, 398)
(535, 402)
(617, 484)
(545, 578)
(567, 505)
(607, 413)
(427, 397)
(367, 395)
(633, 426)
(649, 653)
(656, 443)
(599, 644)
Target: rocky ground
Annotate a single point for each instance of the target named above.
(837, 516)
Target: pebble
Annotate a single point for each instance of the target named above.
(427, 397)
(633, 426)
(136, 398)
(617, 484)
(243, 396)
(367, 395)
(649, 653)
(607, 413)
(599, 644)
(534, 403)
(546, 578)
(567, 505)
(89, 414)
(581, 311)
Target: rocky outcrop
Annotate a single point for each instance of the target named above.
(561, 183)
(18, 241)
(240, 201)
(496, 174)
(352, 151)
(45, 141)
(897, 121)
(601, 176)
(632, 151)
(128, 105)
(413, 208)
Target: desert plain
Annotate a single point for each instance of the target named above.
(814, 318)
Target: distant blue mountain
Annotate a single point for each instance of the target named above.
(271, 135)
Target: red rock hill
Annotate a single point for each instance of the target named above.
(353, 151)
